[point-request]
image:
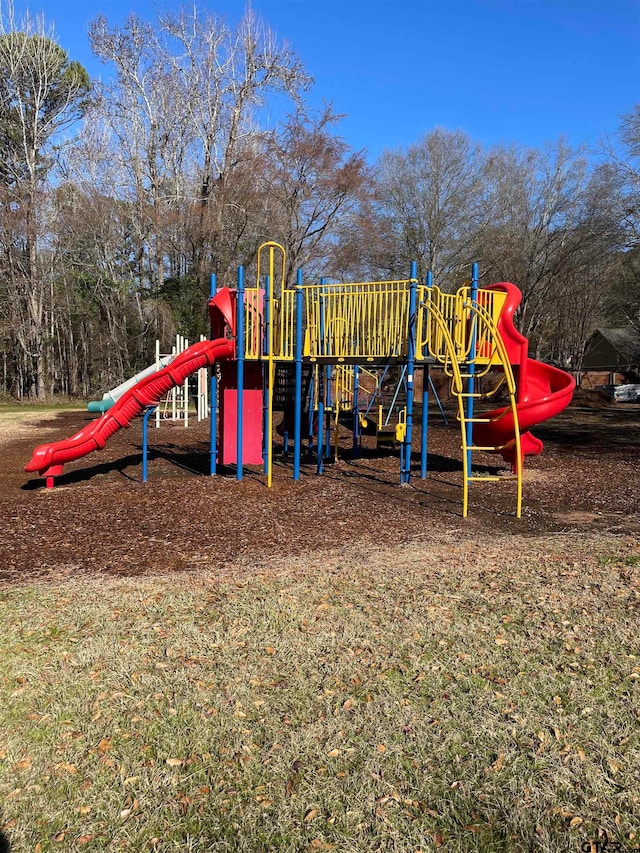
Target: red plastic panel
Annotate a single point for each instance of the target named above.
(252, 414)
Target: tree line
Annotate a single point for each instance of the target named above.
(118, 199)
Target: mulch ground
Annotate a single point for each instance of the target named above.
(100, 518)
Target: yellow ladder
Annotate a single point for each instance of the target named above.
(450, 324)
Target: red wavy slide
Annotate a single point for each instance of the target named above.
(543, 390)
(47, 459)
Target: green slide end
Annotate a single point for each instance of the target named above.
(100, 406)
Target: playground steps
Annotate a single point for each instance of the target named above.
(387, 437)
(284, 390)
(469, 447)
(464, 372)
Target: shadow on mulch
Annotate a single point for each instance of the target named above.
(581, 429)
(81, 475)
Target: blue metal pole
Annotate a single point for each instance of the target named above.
(411, 364)
(213, 392)
(297, 428)
(472, 364)
(356, 417)
(327, 376)
(426, 379)
(320, 436)
(240, 373)
(321, 385)
(145, 441)
(327, 448)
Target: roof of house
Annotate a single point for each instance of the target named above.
(624, 344)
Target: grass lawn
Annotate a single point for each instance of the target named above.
(456, 693)
(10, 411)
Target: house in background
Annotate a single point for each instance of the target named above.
(611, 358)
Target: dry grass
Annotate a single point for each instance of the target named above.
(458, 692)
(22, 421)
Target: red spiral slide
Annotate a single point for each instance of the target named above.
(543, 390)
(47, 459)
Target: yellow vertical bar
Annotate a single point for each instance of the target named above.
(271, 377)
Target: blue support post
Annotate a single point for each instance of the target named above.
(312, 395)
(405, 473)
(327, 449)
(356, 418)
(145, 440)
(424, 436)
(240, 374)
(297, 428)
(213, 393)
(472, 363)
(327, 375)
(320, 435)
(321, 385)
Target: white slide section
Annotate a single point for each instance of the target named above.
(110, 397)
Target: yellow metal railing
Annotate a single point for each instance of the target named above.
(370, 321)
(285, 326)
(366, 321)
(462, 325)
(342, 379)
(440, 332)
(253, 322)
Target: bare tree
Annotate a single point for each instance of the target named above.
(311, 182)
(229, 77)
(538, 225)
(622, 166)
(145, 110)
(428, 198)
(42, 93)
(108, 318)
(183, 109)
(621, 170)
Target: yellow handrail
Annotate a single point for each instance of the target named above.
(446, 327)
(365, 320)
(462, 324)
(481, 312)
(272, 248)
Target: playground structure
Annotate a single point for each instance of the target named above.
(175, 403)
(330, 337)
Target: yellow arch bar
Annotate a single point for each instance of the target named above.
(273, 249)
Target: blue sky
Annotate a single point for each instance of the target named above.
(505, 71)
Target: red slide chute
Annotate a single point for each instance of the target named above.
(47, 459)
(543, 390)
